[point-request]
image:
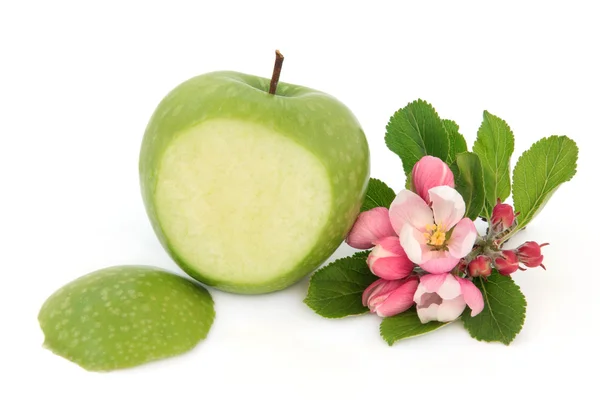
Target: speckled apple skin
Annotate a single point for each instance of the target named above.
(124, 316)
(315, 120)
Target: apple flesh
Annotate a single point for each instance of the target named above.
(248, 191)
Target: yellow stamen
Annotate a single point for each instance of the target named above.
(435, 235)
(431, 227)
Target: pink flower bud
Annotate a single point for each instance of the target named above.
(480, 266)
(503, 216)
(430, 172)
(388, 298)
(530, 254)
(388, 259)
(462, 266)
(507, 263)
(370, 226)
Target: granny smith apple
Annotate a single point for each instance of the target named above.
(250, 191)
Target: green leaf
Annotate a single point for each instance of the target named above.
(504, 313)
(378, 195)
(539, 172)
(416, 131)
(336, 290)
(457, 142)
(494, 145)
(405, 325)
(361, 254)
(124, 316)
(468, 178)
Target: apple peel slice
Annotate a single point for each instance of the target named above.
(124, 316)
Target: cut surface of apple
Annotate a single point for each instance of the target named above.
(237, 195)
(249, 191)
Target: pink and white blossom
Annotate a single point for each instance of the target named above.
(387, 298)
(369, 227)
(443, 297)
(435, 237)
(388, 260)
(428, 173)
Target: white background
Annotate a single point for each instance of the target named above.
(78, 83)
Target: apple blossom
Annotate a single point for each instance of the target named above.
(388, 260)
(387, 298)
(428, 173)
(443, 297)
(435, 237)
(369, 227)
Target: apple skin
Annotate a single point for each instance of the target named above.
(315, 120)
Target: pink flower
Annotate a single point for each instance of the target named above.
(388, 259)
(388, 298)
(507, 263)
(428, 173)
(480, 266)
(503, 216)
(370, 226)
(435, 238)
(443, 297)
(530, 254)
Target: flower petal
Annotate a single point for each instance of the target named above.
(472, 296)
(428, 313)
(449, 310)
(409, 208)
(388, 259)
(438, 262)
(421, 290)
(432, 282)
(413, 243)
(430, 172)
(369, 227)
(463, 238)
(370, 290)
(392, 267)
(388, 246)
(450, 289)
(378, 291)
(448, 206)
(399, 300)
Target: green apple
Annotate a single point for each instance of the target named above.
(250, 191)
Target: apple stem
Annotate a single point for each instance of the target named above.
(276, 72)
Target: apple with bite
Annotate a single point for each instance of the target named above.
(250, 184)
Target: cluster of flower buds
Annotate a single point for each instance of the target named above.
(528, 254)
(508, 261)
